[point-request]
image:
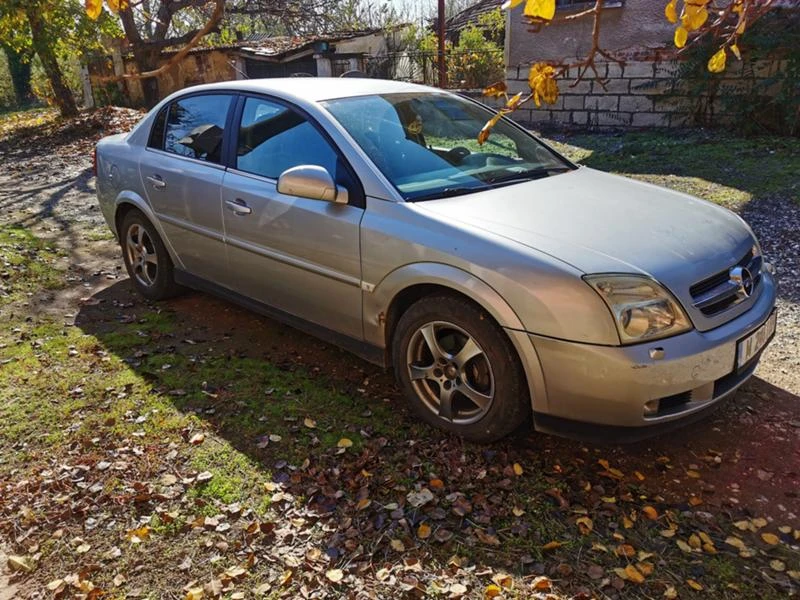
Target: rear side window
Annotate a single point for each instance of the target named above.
(157, 132)
(195, 127)
(273, 138)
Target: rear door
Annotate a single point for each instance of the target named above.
(298, 255)
(182, 171)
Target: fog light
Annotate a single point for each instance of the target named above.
(650, 408)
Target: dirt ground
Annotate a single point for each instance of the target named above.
(744, 458)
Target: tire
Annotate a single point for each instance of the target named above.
(472, 384)
(146, 259)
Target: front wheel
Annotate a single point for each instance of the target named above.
(459, 369)
(146, 259)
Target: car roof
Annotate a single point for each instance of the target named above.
(317, 89)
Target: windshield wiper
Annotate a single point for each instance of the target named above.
(449, 192)
(526, 175)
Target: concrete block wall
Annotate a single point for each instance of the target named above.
(640, 94)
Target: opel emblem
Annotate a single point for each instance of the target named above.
(743, 280)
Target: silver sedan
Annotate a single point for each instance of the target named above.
(504, 284)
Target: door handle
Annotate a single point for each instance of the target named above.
(157, 182)
(238, 207)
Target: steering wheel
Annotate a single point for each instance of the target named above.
(457, 154)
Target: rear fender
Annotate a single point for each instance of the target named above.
(127, 198)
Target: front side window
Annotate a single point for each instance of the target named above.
(427, 144)
(195, 126)
(273, 138)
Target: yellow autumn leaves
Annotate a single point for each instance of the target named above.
(95, 7)
(694, 14)
(544, 88)
(534, 9)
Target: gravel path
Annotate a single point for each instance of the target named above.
(776, 222)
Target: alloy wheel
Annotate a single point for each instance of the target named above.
(141, 253)
(450, 372)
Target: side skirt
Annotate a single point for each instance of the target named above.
(362, 349)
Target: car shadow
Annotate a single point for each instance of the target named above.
(757, 428)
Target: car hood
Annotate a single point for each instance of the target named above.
(602, 223)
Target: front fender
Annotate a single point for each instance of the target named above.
(379, 299)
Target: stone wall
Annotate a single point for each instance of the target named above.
(642, 93)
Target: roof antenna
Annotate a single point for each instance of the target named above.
(238, 70)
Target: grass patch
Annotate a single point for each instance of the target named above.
(714, 165)
(27, 264)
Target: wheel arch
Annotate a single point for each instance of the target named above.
(128, 201)
(407, 284)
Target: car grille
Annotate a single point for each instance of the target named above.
(718, 293)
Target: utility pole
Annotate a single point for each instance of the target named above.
(442, 66)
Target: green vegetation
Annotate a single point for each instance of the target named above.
(720, 167)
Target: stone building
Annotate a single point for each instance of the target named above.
(651, 89)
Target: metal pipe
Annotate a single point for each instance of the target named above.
(442, 66)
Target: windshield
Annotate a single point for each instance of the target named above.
(427, 144)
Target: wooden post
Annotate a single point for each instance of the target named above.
(442, 66)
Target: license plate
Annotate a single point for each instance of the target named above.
(755, 342)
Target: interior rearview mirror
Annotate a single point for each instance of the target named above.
(313, 182)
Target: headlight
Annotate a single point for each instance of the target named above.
(643, 309)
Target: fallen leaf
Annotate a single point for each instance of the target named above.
(83, 548)
(397, 545)
(694, 541)
(194, 593)
(436, 484)
(204, 476)
(457, 589)
(345, 443)
(671, 593)
(423, 531)
(552, 545)
(694, 585)
(21, 564)
(335, 575)
(197, 439)
(638, 475)
(693, 474)
(420, 498)
(518, 469)
(492, 591)
(777, 565)
(363, 503)
(55, 584)
(625, 550)
(585, 525)
(542, 584)
(650, 512)
(595, 572)
(137, 536)
(503, 580)
(309, 422)
(633, 574)
(770, 538)
(683, 546)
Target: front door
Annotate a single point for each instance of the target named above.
(182, 174)
(298, 255)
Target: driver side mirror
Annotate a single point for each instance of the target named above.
(313, 182)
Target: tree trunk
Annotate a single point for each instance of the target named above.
(19, 67)
(147, 60)
(41, 44)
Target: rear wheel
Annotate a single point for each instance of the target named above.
(459, 370)
(146, 259)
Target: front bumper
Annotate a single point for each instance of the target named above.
(605, 385)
